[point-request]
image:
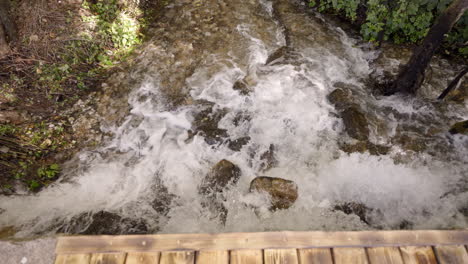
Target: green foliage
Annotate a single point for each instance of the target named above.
(7, 130)
(48, 172)
(402, 21)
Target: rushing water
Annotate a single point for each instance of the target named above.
(153, 159)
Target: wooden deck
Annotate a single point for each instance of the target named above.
(445, 247)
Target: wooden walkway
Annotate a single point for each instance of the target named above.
(381, 247)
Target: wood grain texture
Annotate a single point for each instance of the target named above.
(350, 255)
(177, 257)
(246, 256)
(73, 259)
(142, 258)
(385, 255)
(280, 256)
(232, 241)
(418, 255)
(315, 256)
(108, 258)
(215, 257)
(452, 254)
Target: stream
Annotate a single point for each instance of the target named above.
(260, 71)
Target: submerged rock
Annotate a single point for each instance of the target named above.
(242, 87)
(268, 159)
(237, 144)
(206, 124)
(460, 128)
(277, 54)
(283, 192)
(355, 121)
(341, 98)
(358, 209)
(365, 146)
(104, 223)
(223, 173)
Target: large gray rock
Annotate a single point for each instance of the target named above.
(283, 193)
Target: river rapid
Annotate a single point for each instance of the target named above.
(145, 177)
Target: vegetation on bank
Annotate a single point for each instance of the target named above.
(401, 21)
(64, 50)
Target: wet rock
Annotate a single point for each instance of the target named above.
(162, 204)
(206, 123)
(277, 54)
(283, 192)
(268, 159)
(358, 209)
(242, 87)
(223, 173)
(460, 128)
(365, 146)
(341, 98)
(355, 121)
(237, 144)
(104, 223)
(411, 143)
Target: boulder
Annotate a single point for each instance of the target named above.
(341, 98)
(223, 173)
(460, 128)
(355, 122)
(283, 193)
(278, 54)
(365, 146)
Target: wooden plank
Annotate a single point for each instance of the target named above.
(215, 257)
(384, 255)
(315, 255)
(73, 259)
(231, 241)
(142, 258)
(280, 256)
(177, 257)
(246, 256)
(108, 258)
(418, 255)
(452, 254)
(350, 255)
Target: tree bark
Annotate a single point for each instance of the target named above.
(6, 20)
(4, 48)
(411, 76)
(453, 84)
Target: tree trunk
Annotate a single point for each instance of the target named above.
(5, 20)
(453, 84)
(4, 48)
(411, 76)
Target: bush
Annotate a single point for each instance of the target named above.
(400, 21)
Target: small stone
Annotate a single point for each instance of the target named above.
(242, 87)
(341, 98)
(277, 54)
(365, 146)
(283, 192)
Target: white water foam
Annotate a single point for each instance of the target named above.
(288, 109)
